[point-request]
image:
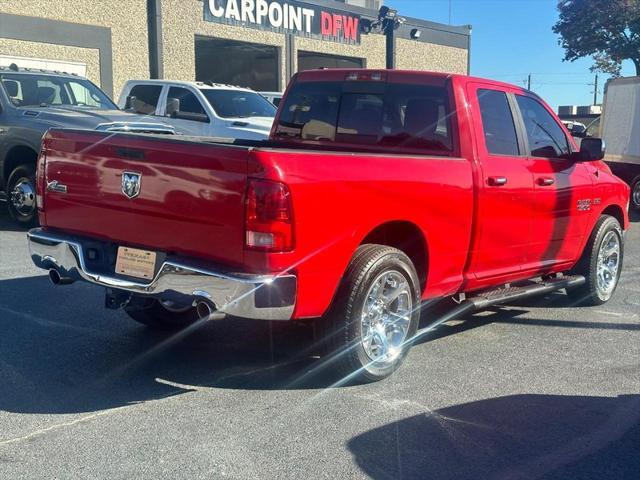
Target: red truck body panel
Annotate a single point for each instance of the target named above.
(335, 210)
(193, 206)
(475, 234)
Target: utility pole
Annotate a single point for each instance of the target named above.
(529, 82)
(389, 29)
(387, 23)
(595, 91)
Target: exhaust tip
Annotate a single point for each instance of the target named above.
(58, 279)
(207, 311)
(54, 276)
(204, 309)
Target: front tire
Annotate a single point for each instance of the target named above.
(375, 314)
(161, 315)
(21, 195)
(601, 263)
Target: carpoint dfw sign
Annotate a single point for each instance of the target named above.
(286, 17)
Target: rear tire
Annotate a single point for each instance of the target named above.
(157, 315)
(635, 194)
(601, 263)
(375, 314)
(21, 195)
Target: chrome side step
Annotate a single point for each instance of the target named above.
(504, 294)
(512, 293)
(3, 197)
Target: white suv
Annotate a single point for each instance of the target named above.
(196, 108)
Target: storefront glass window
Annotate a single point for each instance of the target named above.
(237, 63)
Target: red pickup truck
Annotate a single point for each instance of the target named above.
(376, 191)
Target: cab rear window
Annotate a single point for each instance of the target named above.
(405, 116)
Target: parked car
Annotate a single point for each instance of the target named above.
(31, 102)
(196, 108)
(620, 129)
(377, 191)
(577, 129)
(273, 97)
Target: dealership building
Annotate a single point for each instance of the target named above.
(254, 43)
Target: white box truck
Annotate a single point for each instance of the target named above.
(620, 129)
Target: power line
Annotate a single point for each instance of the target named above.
(536, 73)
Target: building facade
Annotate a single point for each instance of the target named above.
(254, 43)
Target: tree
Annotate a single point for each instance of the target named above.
(607, 30)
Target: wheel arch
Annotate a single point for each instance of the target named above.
(616, 212)
(407, 237)
(16, 156)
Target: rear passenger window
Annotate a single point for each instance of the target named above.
(143, 99)
(546, 137)
(400, 116)
(497, 123)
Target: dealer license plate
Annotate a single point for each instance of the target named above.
(136, 263)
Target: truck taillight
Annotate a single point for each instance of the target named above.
(269, 224)
(40, 179)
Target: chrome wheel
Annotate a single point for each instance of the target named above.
(635, 194)
(386, 317)
(608, 264)
(23, 197)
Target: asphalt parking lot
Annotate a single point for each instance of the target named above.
(539, 389)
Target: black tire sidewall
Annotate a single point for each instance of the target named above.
(605, 224)
(634, 206)
(19, 173)
(391, 260)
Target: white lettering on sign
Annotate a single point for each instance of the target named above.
(308, 14)
(295, 18)
(233, 11)
(247, 11)
(215, 10)
(289, 15)
(261, 10)
(275, 15)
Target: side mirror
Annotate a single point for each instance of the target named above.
(591, 149)
(194, 117)
(173, 106)
(129, 102)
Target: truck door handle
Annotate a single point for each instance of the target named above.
(546, 181)
(497, 181)
(133, 153)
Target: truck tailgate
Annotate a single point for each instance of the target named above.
(190, 198)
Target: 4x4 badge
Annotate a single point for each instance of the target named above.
(131, 184)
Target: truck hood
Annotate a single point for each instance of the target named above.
(87, 118)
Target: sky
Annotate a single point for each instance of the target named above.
(512, 39)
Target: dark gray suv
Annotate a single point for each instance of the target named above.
(31, 102)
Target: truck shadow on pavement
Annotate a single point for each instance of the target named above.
(7, 224)
(512, 437)
(61, 352)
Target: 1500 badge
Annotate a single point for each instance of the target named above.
(584, 205)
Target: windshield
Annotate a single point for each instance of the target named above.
(239, 103)
(26, 90)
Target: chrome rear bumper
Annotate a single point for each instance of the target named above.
(240, 295)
